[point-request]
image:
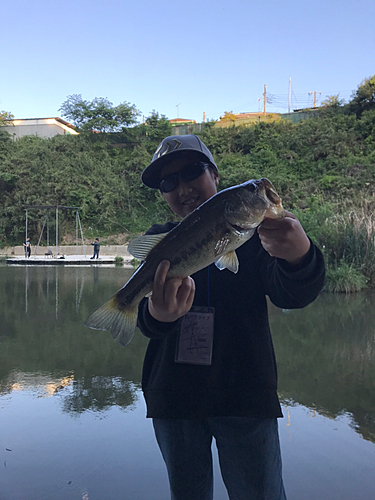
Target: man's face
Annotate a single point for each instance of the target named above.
(189, 195)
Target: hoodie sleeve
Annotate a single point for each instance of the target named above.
(151, 327)
(293, 287)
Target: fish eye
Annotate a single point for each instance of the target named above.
(251, 187)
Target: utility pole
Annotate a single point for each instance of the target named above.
(177, 105)
(315, 92)
(204, 117)
(265, 98)
(290, 84)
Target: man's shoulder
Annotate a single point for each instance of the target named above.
(161, 228)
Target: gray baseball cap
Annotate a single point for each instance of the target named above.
(171, 148)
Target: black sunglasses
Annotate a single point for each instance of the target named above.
(187, 173)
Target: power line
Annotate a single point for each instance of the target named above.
(299, 100)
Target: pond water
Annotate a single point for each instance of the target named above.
(72, 416)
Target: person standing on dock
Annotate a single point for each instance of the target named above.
(96, 248)
(27, 247)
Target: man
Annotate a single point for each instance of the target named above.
(27, 247)
(233, 398)
(96, 248)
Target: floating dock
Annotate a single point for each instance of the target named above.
(75, 260)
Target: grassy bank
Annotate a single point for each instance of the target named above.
(323, 168)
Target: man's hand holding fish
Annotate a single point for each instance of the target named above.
(171, 298)
(284, 238)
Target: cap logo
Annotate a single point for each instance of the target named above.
(167, 147)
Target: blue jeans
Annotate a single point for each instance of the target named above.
(249, 457)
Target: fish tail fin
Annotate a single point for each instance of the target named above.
(109, 316)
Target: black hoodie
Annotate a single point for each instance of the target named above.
(242, 378)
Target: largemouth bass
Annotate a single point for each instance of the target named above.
(211, 233)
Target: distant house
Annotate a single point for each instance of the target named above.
(236, 119)
(252, 116)
(181, 121)
(42, 127)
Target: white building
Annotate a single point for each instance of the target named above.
(42, 127)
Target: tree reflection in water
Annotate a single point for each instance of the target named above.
(43, 333)
(99, 394)
(325, 352)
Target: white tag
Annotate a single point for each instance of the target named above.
(196, 334)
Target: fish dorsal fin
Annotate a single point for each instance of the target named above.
(228, 261)
(140, 247)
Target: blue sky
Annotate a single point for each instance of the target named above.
(182, 58)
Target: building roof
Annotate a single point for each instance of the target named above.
(57, 119)
(182, 120)
(250, 115)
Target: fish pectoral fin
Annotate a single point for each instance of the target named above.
(109, 317)
(140, 247)
(228, 261)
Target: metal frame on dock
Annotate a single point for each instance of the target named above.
(57, 208)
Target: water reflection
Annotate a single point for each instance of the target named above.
(53, 368)
(45, 347)
(326, 357)
(99, 394)
(47, 283)
(325, 352)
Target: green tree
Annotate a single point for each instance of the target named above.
(228, 116)
(99, 114)
(332, 101)
(363, 99)
(4, 117)
(156, 127)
